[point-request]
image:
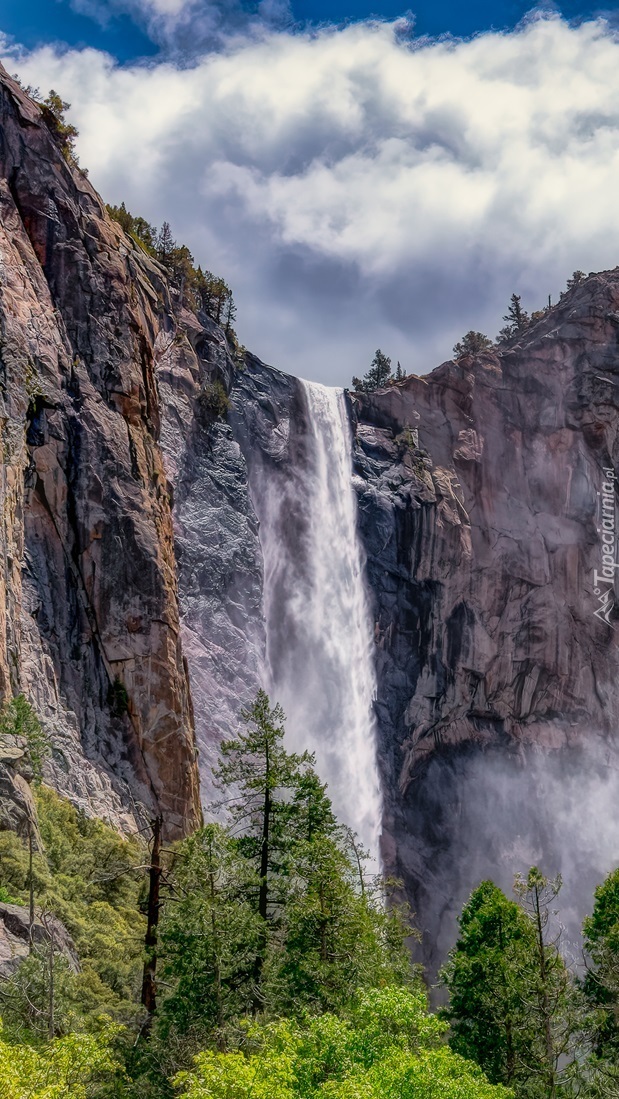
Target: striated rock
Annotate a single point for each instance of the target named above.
(496, 605)
(89, 624)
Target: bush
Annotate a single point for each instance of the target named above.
(213, 401)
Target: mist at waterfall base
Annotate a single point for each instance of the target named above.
(495, 814)
(320, 663)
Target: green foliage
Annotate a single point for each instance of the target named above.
(213, 402)
(209, 936)
(576, 279)
(136, 227)
(473, 343)
(91, 879)
(377, 376)
(485, 975)
(601, 983)
(514, 1006)
(75, 1067)
(118, 697)
(19, 721)
(53, 109)
(273, 915)
(197, 289)
(388, 1047)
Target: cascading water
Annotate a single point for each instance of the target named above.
(319, 631)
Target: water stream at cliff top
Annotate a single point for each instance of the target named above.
(319, 630)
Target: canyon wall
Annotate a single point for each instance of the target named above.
(89, 627)
(487, 505)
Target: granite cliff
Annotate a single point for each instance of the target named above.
(135, 563)
(487, 507)
(89, 626)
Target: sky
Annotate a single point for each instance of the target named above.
(361, 176)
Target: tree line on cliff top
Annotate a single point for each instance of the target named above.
(473, 343)
(259, 958)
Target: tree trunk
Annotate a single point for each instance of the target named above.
(544, 1002)
(149, 986)
(263, 895)
(30, 888)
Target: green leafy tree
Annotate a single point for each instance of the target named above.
(487, 972)
(576, 279)
(79, 1066)
(137, 227)
(473, 343)
(19, 721)
(549, 992)
(514, 1006)
(337, 935)
(377, 376)
(388, 1047)
(601, 983)
(210, 935)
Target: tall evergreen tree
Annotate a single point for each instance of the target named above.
(516, 319)
(485, 976)
(601, 983)
(377, 376)
(265, 777)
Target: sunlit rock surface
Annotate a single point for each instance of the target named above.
(89, 625)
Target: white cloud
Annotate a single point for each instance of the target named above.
(357, 190)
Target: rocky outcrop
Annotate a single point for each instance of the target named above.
(16, 936)
(18, 811)
(487, 499)
(88, 587)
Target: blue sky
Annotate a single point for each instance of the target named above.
(108, 28)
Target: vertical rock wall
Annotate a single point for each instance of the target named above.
(481, 497)
(90, 627)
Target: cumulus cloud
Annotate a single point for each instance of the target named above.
(359, 189)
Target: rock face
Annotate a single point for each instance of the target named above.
(15, 938)
(487, 509)
(90, 624)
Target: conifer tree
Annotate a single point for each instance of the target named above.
(257, 765)
(471, 344)
(376, 377)
(516, 317)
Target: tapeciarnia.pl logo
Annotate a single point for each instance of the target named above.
(604, 579)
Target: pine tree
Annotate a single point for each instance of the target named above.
(484, 975)
(210, 936)
(165, 243)
(266, 776)
(601, 983)
(472, 344)
(576, 279)
(516, 317)
(376, 377)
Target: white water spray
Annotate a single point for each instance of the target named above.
(319, 630)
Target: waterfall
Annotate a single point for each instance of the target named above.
(319, 630)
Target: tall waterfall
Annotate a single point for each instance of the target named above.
(319, 631)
